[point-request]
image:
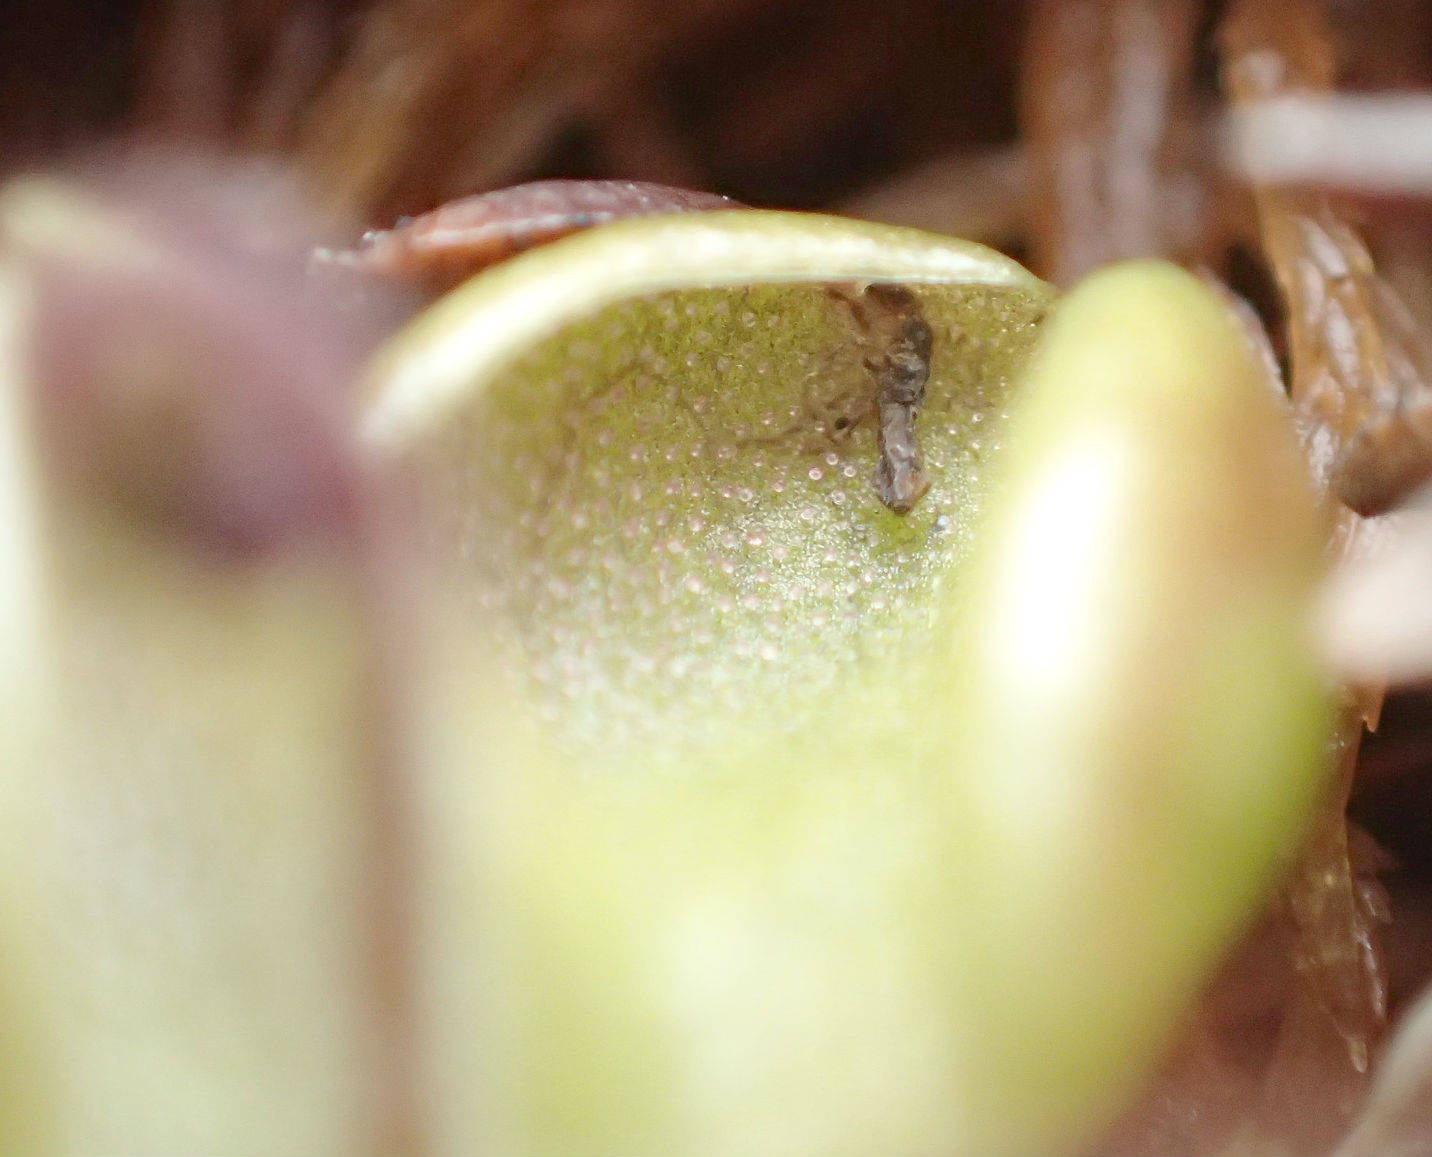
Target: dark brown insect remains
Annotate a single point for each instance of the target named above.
(902, 344)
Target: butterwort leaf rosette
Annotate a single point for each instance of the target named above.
(649, 785)
(758, 817)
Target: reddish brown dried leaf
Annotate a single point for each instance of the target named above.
(1361, 372)
(1340, 369)
(1102, 94)
(442, 248)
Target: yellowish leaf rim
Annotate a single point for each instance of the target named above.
(479, 329)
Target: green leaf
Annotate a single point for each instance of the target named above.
(187, 736)
(1140, 721)
(688, 709)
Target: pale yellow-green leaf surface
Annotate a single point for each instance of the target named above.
(1140, 716)
(682, 833)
